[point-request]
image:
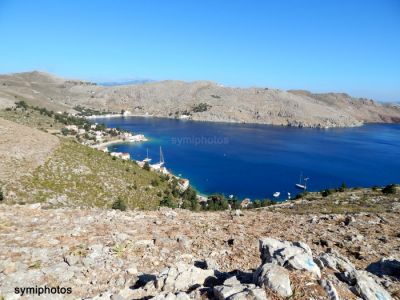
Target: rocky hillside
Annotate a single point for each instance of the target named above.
(178, 254)
(22, 149)
(202, 100)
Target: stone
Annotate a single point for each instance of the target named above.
(231, 281)
(386, 266)
(330, 290)
(210, 264)
(367, 288)
(274, 277)
(181, 277)
(296, 255)
(336, 262)
(222, 292)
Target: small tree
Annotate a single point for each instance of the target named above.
(343, 187)
(1, 195)
(119, 204)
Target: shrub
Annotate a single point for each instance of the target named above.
(266, 202)
(1, 195)
(327, 192)
(154, 182)
(201, 107)
(257, 203)
(343, 187)
(189, 197)
(119, 204)
(217, 202)
(146, 166)
(168, 202)
(389, 189)
(21, 104)
(301, 195)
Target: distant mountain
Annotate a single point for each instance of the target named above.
(129, 82)
(199, 100)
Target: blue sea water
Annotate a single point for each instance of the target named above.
(254, 161)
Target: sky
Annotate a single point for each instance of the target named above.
(348, 46)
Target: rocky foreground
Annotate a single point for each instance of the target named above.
(200, 100)
(178, 254)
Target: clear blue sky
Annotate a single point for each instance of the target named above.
(319, 45)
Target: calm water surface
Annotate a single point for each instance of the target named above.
(257, 160)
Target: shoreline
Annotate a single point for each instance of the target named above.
(316, 126)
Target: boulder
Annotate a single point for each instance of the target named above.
(367, 288)
(386, 266)
(293, 255)
(336, 262)
(274, 277)
(239, 292)
(181, 277)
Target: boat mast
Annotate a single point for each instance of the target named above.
(161, 157)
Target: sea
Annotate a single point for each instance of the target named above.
(255, 161)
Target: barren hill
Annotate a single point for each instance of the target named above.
(200, 100)
(22, 149)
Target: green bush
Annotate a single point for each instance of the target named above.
(168, 202)
(201, 107)
(189, 198)
(155, 182)
(22, 104)
(342, 188)
(217, 202)
(389, 189)
(119, 204)
(146, 166)
(266, 202)
(327, 192)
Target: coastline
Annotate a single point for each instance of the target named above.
(294, 125)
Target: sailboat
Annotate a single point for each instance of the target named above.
(302, 186)
(161, 163)
(147, 159)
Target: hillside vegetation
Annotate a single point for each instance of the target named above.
(37, 166)
(77, 175)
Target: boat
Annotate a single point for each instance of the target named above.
(161, 163)
(147, 159)
(300, 185)
(276, 194)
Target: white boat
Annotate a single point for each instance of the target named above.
(147, 159)
(161, 163)
(302, 186)
(276, 194)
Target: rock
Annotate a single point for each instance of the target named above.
(35, 205)
(231, 281)
(386, 266)
(367, 288)
(182, 277)
(239, 292)
(274, 277)
(336, 262)
(330, 290)
(295, 255)
(210, 264)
